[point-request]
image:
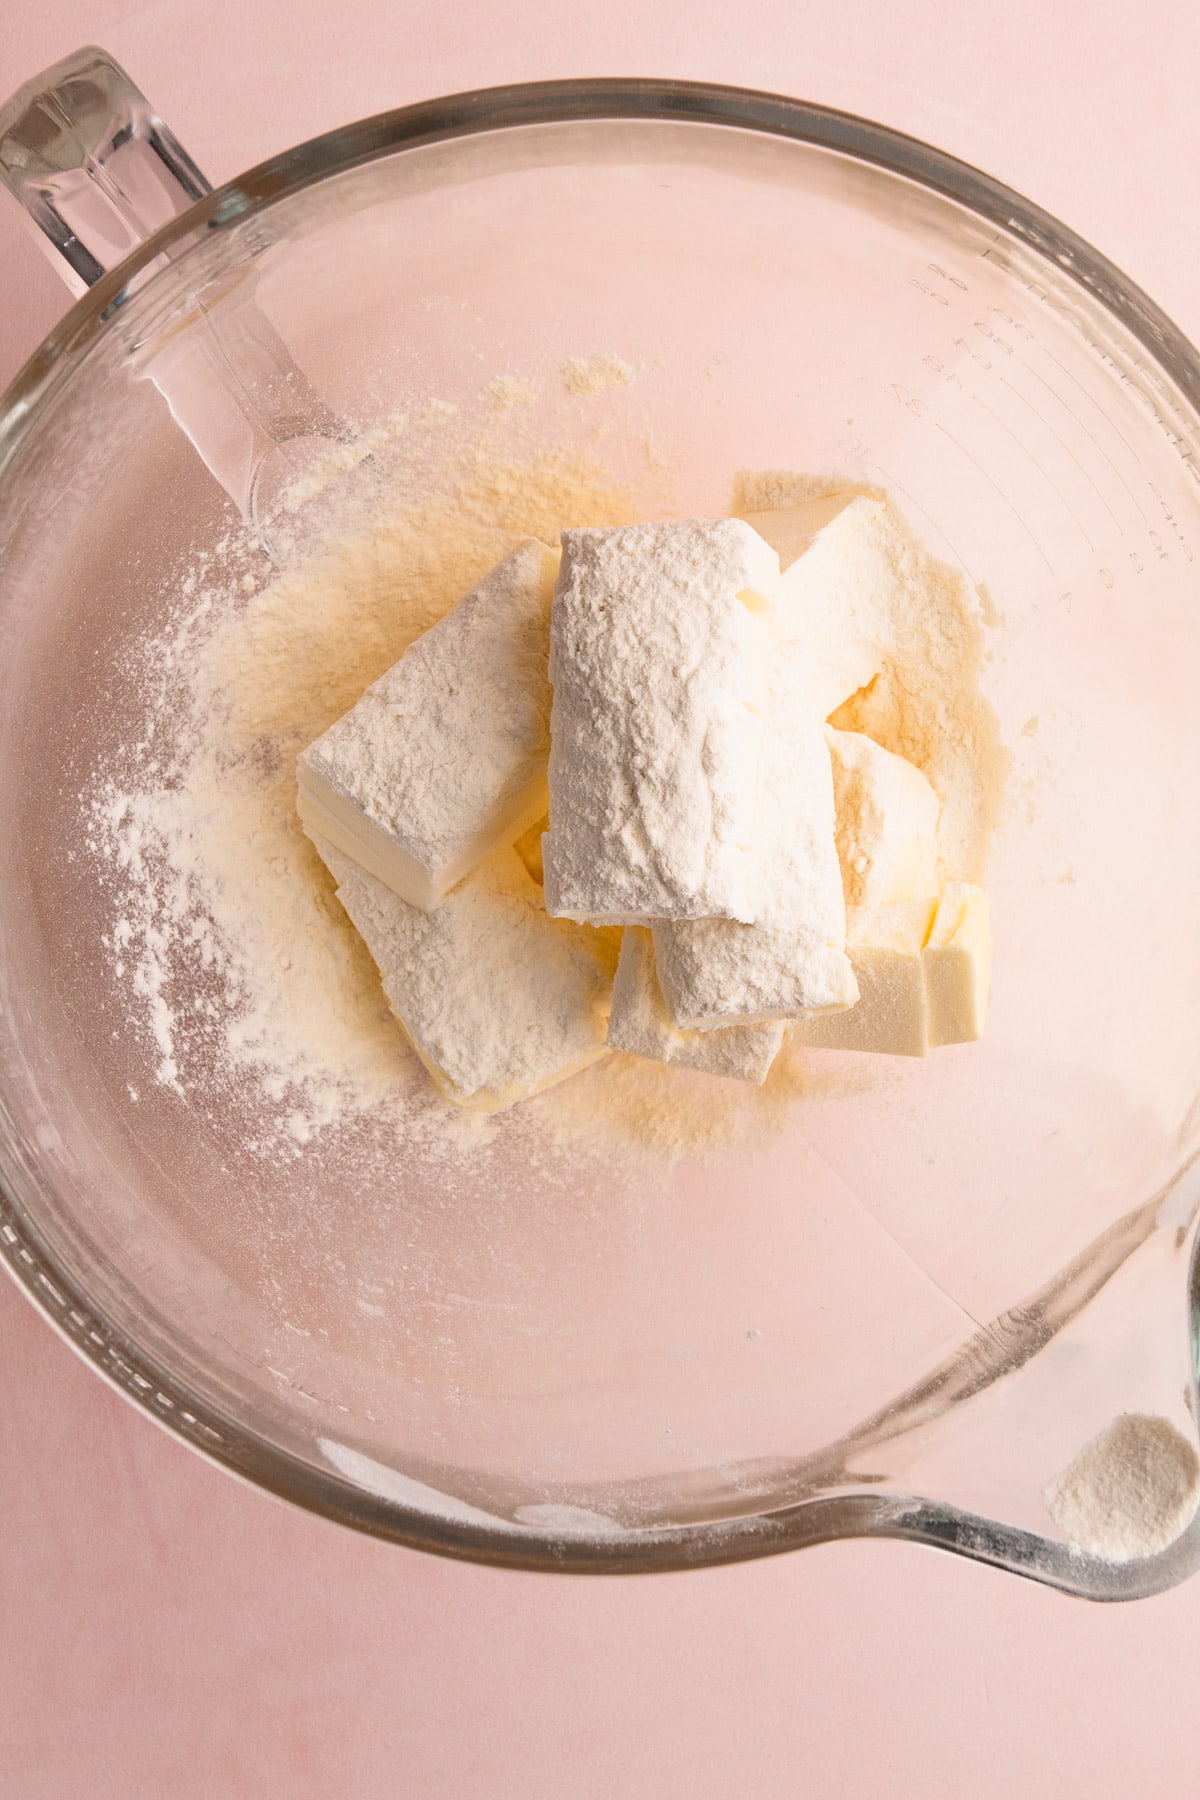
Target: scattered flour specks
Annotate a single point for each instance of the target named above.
(504, 392)
(595, 374)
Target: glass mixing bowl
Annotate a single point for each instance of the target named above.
(910, 1310)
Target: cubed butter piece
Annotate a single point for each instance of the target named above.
(792, 959)
(887, 819)
(444, 758)
(885, 945)
(641, 1025)
(497, 1000)
(829, 622)
(833, 595)
(958, 965)
(923, 971)
(658, 660)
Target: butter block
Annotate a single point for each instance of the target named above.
(885, 945)
(658, 661)
(497, 1000)
(641, 1025)
(833, 595)
(887, 816)
(923, 970)
(887, 819)
(792, 959)
(829, 621)
(444, 757)
(958, 965)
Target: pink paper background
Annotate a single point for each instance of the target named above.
(167, 1633)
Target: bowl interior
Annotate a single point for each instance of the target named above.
(548, 1335)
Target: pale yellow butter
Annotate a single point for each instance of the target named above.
(887, 820)
(922, 962)
(923, 970)
(792, 530)
(890, 1017)
(958, 965)
(831, 601)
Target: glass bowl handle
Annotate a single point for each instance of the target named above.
(93, 165)
(97, 172)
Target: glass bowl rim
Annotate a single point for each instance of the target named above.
(223, 1439)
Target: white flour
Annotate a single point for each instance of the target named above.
(497, 999)
(1131, 1490)
(444, 756)
(792, 958)
(595, 374)
(659, 664)
(237, 965)
(641, 1023)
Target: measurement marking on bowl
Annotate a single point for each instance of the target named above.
(993, 483)
(1171, 520)
(1057, 435)
(1071, 413)
(1092, 398)
(1044, 473)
